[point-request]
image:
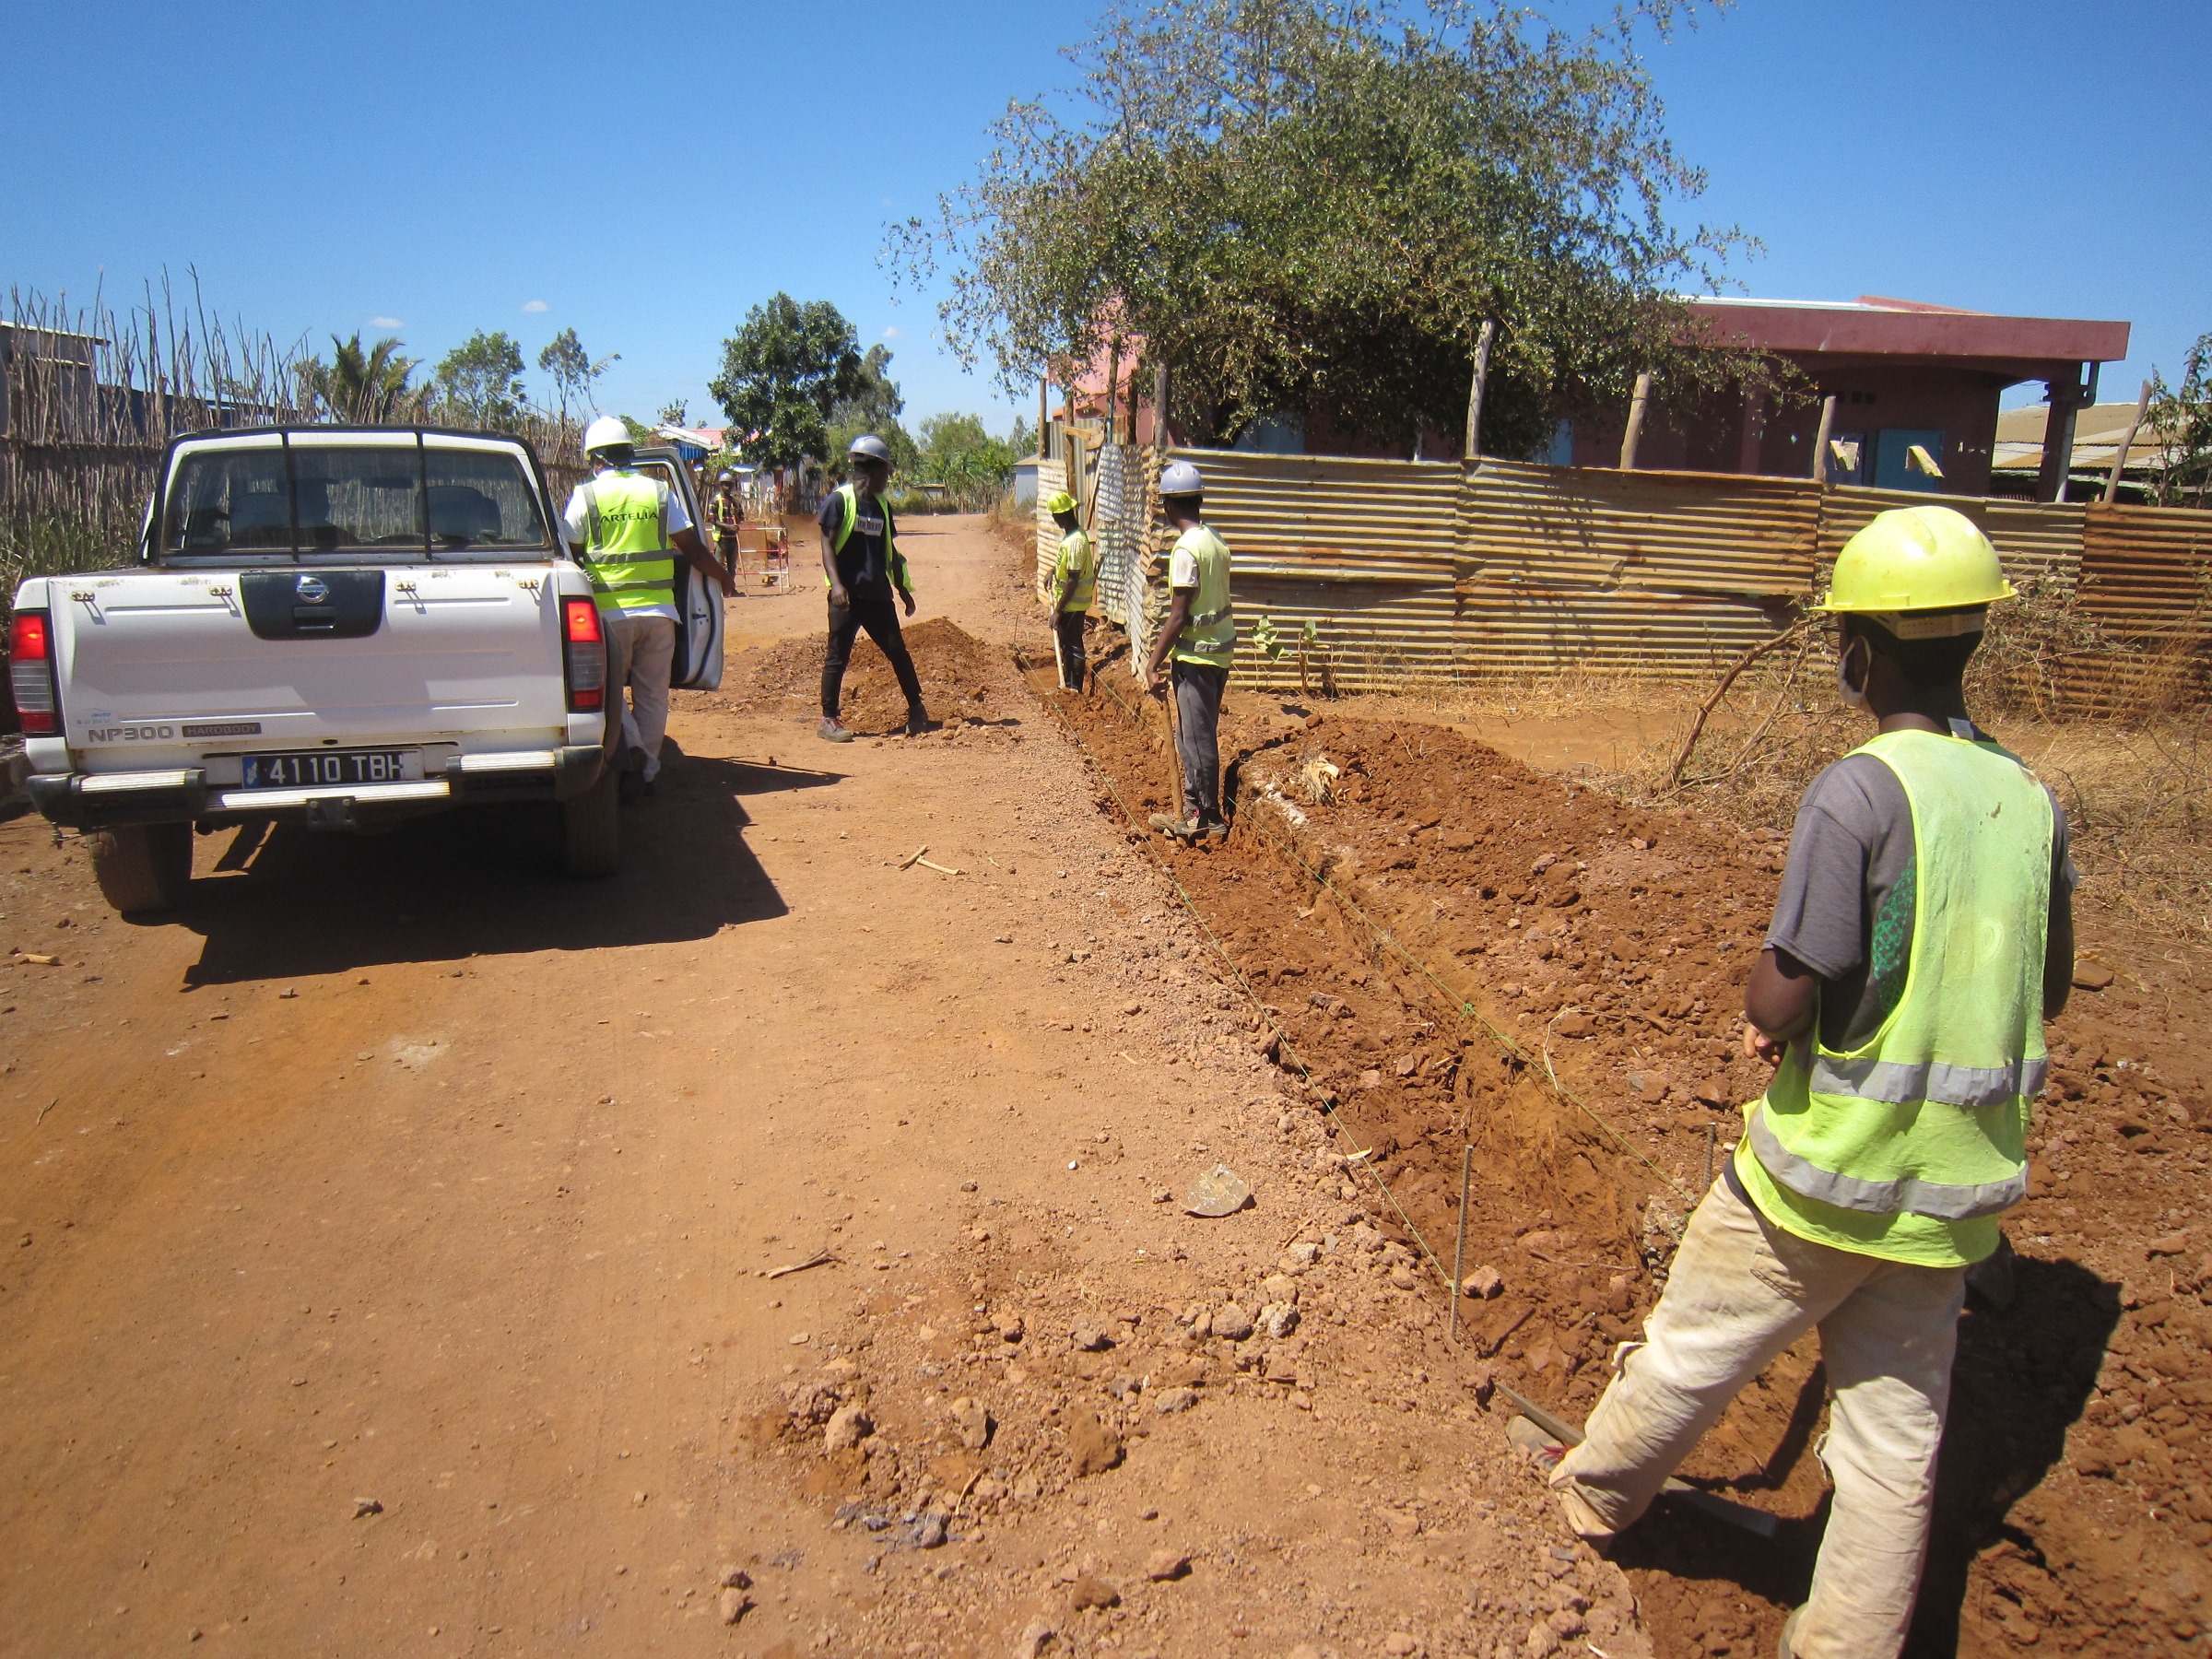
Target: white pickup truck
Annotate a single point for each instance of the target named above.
(335, 626)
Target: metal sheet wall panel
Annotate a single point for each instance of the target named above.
(1671, 533)
(1520, 629)
(2147, 571)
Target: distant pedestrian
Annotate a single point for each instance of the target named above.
(863, 567)
(725, 517)
(627, 529)
(1924, 934)
(1199, 633)
(1075, 574)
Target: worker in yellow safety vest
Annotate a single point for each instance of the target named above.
(1074, 576)
(861, 566)
(1199, 636)
(627, 529)
(1924, 934)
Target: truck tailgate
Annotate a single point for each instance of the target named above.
(454, 652)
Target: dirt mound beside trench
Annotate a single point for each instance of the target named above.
(1383, 877)
(964, 681)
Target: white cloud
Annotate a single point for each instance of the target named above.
(385, 322)
(536, 305)
(890, 334)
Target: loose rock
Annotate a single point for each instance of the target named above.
(1093, 1593)
(1092, 1447)
(848, 1426)
(1482, 1284)
(1220, 1191)
(1165, 1566)
(973, 1422)
(1169, 1400)
(1232, 1322)
(732, 1605)
(1034, 1637)
(1277, 1320)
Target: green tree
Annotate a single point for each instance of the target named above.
(2180, 417)
(480, 383)
(959, 454)
(367, 386)
(574, 371)
(906, 458)
(1313, 205)
(878, 402)
(783, 372)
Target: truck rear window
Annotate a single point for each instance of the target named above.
(337, 498)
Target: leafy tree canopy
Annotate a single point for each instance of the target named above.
(2180, 417)
(783, 372)
(1312, 205)
(574, 371)
(959, 454)
(480, 383)
(878, 401)
(906, 459)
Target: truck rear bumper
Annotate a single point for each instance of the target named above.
(104, 800)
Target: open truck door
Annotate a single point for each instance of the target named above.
(699, 633)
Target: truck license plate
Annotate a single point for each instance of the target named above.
(324, 769)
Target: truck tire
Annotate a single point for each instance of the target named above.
(142, 867)
(592, 827)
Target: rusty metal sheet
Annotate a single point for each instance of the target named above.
(1517, 628)
(2147, 571)
(1373, 635)
(1593, 528)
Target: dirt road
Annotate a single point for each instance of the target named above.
(387, 1231)
(391, 1230)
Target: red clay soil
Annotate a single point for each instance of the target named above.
(1446, 924)
(969, 684)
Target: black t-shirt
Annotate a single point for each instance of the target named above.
(862, 561)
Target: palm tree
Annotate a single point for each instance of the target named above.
(369, 386)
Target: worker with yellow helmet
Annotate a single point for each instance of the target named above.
(1074, 576)
(1922, 936)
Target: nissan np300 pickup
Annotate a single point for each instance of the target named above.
(340, 626)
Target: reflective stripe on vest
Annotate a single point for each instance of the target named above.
(1075, 575)
(1929, 1117)
(848, 515)
(627, 552)
(1210, 635)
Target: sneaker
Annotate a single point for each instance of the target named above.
(830, 732)
(919, 721)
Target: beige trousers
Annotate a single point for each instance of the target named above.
(640, 652)
(1740, 1291)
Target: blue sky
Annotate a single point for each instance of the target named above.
(645, 176)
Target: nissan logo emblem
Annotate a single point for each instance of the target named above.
(313, 589)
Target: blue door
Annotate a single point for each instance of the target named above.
(1894, 467)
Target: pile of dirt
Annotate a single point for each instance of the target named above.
(964, 681)
(1438, 933)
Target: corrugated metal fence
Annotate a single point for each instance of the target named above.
(1425, 570)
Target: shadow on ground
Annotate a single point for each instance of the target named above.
(287, 902)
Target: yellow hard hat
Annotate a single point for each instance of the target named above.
(1918, 558)
(1058, 503)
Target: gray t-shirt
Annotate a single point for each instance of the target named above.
(1851, 851)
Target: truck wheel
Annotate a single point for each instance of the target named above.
(142, 866)
(592, 827)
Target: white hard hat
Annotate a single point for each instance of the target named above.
(604, 434)
(872, 447)
(1181, 478)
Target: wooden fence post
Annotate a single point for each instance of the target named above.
(1159, 406)
(1642, 396)
(1478, 385)
(1822, 437)
(2111, 482)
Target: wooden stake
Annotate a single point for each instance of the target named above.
(1044, 399)
(1159, 406)
(1459, 1251)
(1821, 437)
(1478, 385)
(1113, 387)
(2111, 481)
(1641, 397)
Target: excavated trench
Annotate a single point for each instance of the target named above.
(1449, 949)
(1446, 948)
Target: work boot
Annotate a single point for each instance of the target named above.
(1217, 831)
(633, 785)
(830, 732)
(919, 721)
(1178, 828)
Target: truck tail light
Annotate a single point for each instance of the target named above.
(31, 674)
(584, 655)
